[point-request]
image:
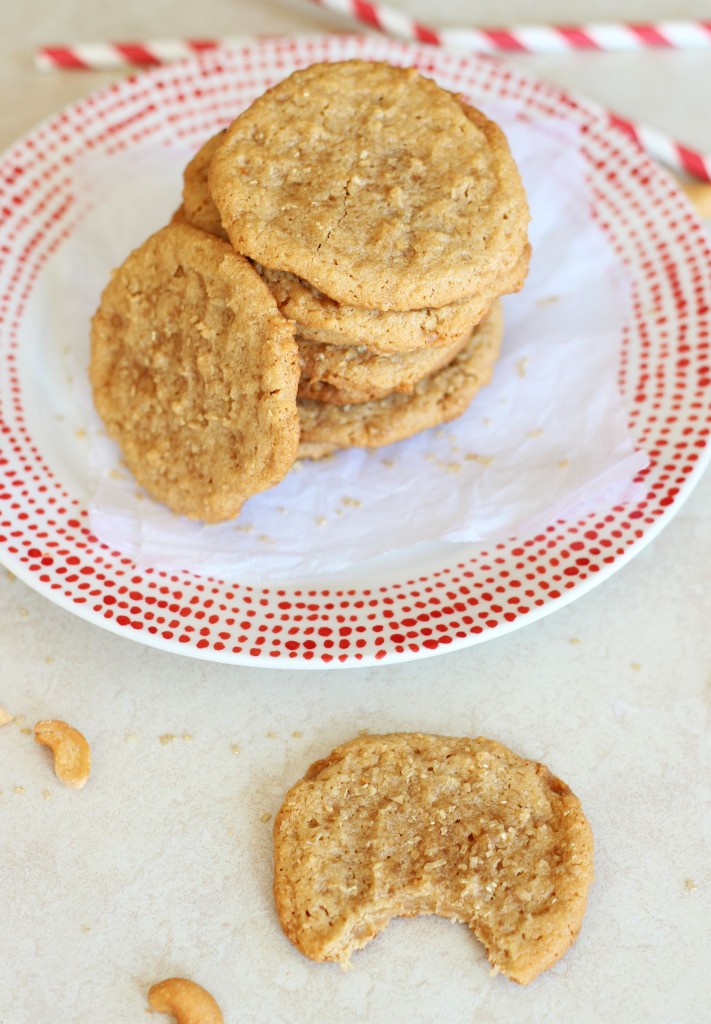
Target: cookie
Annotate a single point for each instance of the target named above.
(405, 824)
(342, 375)
(194, 372)
(198, 207)
(374, 185)
(438, 398)
(320, 319)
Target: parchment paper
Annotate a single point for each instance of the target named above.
(546, 440)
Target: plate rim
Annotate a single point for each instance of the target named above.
(389, 656)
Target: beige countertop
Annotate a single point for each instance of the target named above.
(162, 864)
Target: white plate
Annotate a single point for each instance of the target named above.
(408, 605)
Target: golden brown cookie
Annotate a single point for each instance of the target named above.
(405, 824)
(198, 207)
(341, 376)
(194, 373)
(438, 398)
(320, 319)
(374, 185)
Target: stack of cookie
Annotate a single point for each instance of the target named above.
(383, 218)
(386, 216)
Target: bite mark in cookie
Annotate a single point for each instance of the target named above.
(406, 824)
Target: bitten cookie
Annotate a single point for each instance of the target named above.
(194, 373)
(405, 824)
(373, 184)
(436, 399)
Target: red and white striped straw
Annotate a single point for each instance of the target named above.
(106, 56)
(532, 39)
(667, 151)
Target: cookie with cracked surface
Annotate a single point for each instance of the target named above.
(324, 321)
(194, 372)
(442, 396)
(342, 376)
(372, 183)
(405, 824)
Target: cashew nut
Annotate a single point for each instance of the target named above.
(187, 1001)
(72, 757)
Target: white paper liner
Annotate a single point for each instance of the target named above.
(546, 440)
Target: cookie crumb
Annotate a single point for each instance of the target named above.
(131, 737)
(47, 794)
(5, 716)
(24, 613)
(321, 521)
(635, 666)
(352, 502)
(272, 735)
(574, 640)
(689, 884)
(297, 734)
(535, 433)
(19, 789)
(483, 460)
(10, 576)
(264, 818)
(166, 738)
(548, 300)
(521, 366)
(563, 463)
(236, 749)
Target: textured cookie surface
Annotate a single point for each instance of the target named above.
(198, 208)
(194, 372)
(320, 319)
(340, 375)
(373, 184)
(436, 399)
(405, 824)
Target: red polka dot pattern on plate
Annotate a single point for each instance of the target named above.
(470, 594)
